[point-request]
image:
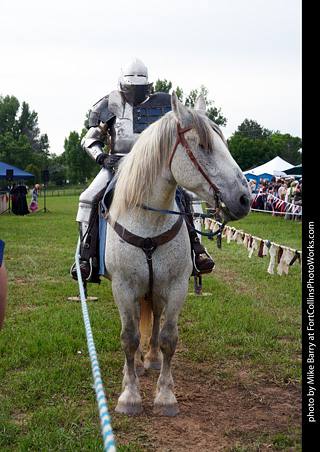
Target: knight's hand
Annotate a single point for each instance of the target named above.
(109, 162)
(103, 160)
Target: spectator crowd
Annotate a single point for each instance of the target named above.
(281, 196)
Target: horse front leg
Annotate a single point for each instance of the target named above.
(130, 401)
(165, 403)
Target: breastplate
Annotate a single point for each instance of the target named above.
(122, 134)
(131, 121)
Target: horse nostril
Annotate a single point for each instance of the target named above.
(244, 201)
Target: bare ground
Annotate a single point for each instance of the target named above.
(236, 416)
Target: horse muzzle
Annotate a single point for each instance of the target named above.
(237, 209)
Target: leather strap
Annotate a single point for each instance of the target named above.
(183, 141)
(147, 244)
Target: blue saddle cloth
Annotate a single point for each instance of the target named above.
(106, 203)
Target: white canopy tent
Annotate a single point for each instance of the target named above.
(275, 167)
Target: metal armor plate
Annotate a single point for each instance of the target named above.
(150, 111)
(100, 112)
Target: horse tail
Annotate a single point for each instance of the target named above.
(145, 320)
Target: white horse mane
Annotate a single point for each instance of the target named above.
(139, 169)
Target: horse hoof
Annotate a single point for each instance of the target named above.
(151, 364)
(166, 410)
(122, 408)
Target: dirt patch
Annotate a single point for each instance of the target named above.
(213, 417)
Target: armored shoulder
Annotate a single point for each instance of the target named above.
(100, 112)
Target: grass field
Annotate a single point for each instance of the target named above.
(252, 322)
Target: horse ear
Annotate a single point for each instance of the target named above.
(200, 103)
(181, 113)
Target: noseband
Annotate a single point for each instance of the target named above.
(181, 139)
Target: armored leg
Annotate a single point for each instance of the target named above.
(87, 218)
(201, 265)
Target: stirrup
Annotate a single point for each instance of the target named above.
(196, 271)
(84, 277)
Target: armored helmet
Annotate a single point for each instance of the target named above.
(133, 82)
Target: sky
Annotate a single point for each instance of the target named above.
(61, 57)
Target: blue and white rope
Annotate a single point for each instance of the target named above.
(107, 434)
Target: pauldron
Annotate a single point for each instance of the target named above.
(100, 112)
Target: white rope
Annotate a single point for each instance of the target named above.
(277, 212)
(107, 434)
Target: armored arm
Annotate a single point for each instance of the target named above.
(99, 122)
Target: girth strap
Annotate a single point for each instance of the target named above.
(147, 244)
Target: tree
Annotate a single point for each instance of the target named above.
(80, 166)
(161, 86)
(33, 169)
(16, 152)
(252, 145)
(287, 147)
(27, 124)
(16, 123)
(249, 152)
(252, 130)
(58, 169)
(213, 113)
(9, 107)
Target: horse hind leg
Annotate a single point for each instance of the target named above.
(139, 361)
(144, 327)
(153, 358)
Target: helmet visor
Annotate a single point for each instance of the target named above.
(135, 94)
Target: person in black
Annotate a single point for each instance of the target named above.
(21, 207)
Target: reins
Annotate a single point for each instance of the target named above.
(190, 214)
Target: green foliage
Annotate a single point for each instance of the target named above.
(58, 169)
(34, 170)
(161, 86)
(9, 107)
(252, 145)
(249, 152)
(213, 113)
(20, 140)
(16, 152)
(287, 147)
(252, 130)
(80, 166)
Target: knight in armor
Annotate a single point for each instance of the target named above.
(118, 119)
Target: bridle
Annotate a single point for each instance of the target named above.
(181, 139)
